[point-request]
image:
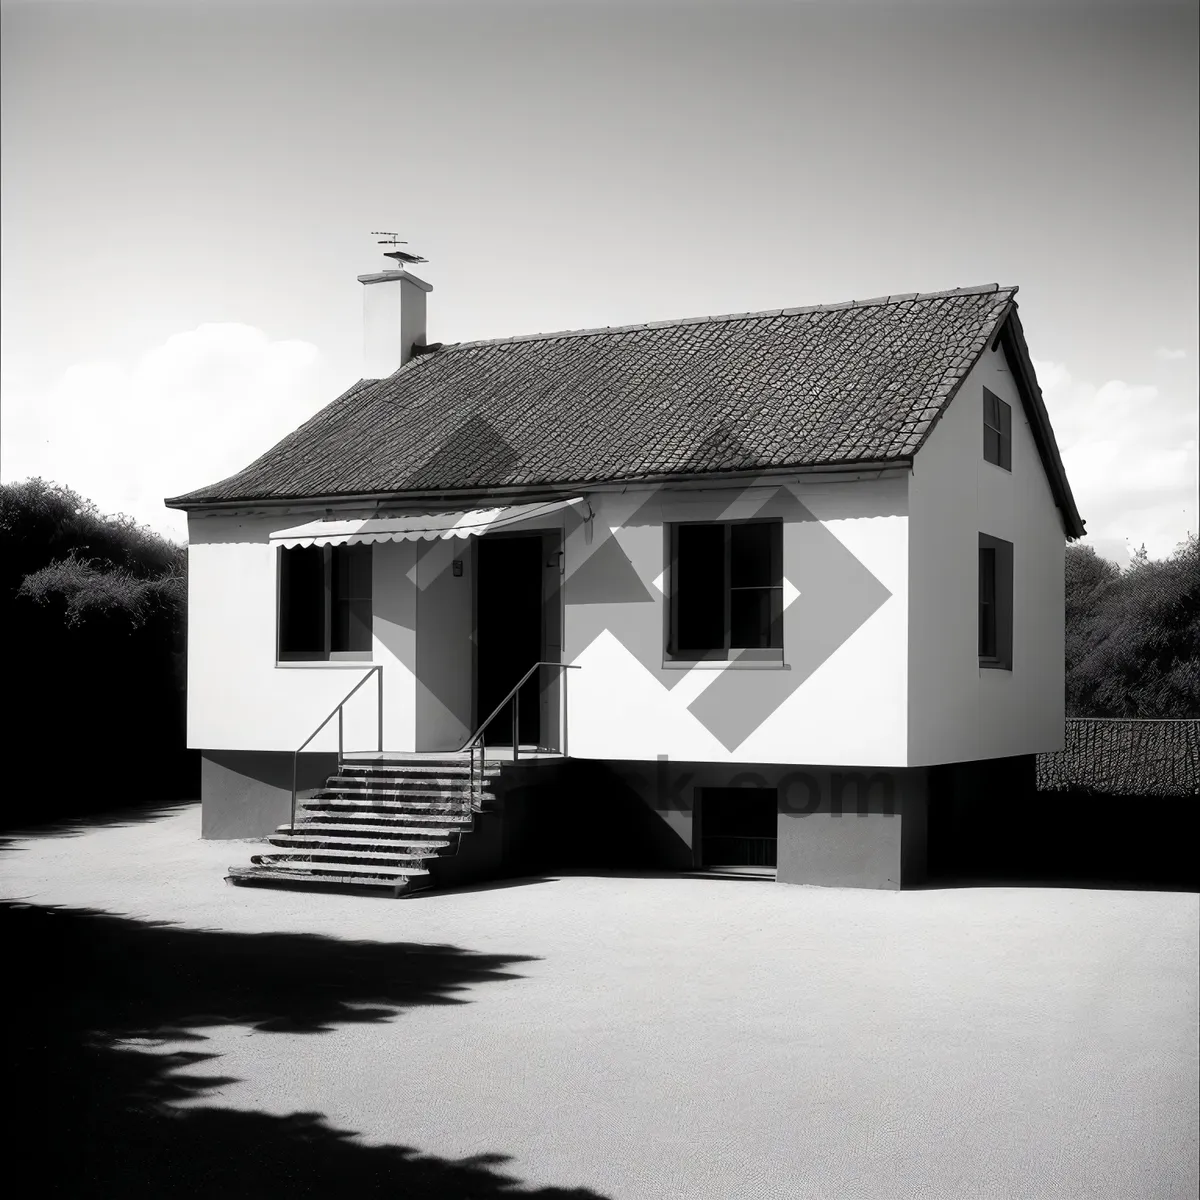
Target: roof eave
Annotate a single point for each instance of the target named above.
(512, 491)
(1007, 331)
(1012, 338)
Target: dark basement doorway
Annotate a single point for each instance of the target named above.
(508, 621)
(738, 829)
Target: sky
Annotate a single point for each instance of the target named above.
(189, 191)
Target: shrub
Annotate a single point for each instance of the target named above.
(1132, 636)
(97, 660)
(1125, 758)
(88, 591)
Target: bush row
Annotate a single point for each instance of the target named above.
(1125, 757)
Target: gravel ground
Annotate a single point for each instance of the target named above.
(637, 1037)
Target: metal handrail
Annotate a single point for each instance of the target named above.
(337, 712)
(477, 738)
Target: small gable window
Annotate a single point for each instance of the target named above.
(997, 430)
(726, 590)
(324, 603)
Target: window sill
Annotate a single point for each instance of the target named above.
(720, 664)
(994, 664)
(337, 664)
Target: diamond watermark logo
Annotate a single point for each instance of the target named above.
(828, 595)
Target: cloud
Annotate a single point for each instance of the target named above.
(190, 411)
(1169, 355)
(1131, 456)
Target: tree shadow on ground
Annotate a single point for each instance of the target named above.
(19, 826)
(98, 1117)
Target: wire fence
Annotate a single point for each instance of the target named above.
(1125, 757)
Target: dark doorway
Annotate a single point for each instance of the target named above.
(508, 607)
(738, 827)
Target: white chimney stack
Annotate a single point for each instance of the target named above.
(393, 320)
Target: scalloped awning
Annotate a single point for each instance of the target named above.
(414, 527)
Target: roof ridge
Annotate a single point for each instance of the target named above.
(874, 301)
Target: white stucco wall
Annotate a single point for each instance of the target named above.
(841, 696)
(445, 659)
(880, 657)
(239, 697)
(959, 711)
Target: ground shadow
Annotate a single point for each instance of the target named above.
(547, 837)
(486, 885)
(1065, 839)
(711, 875)
(20, 826)
(1001, 876)
(96, 1116)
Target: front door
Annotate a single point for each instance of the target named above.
(509, 634)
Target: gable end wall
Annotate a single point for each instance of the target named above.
(959, 711)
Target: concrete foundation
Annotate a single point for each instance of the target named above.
(971, 803)
(835, 826)
(248, 793)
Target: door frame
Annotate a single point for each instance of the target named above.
(550, 635)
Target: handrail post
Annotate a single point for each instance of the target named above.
(478, 738)
(379, 732)
(483, 766)
(338, 712)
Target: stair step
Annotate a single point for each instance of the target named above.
(491, 766)
(421, 768)
(333, 787)
(374, 822)
(374, 804)
(388, 818)
(297, 867)
(243, 875)
(342, 842)
(390, 783)
(335, 828)
(302, 854)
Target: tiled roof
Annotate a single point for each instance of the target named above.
(839, 383)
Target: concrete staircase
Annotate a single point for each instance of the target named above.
(376, 826)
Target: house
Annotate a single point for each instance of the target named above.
(796, 576)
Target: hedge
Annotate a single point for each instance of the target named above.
(1125, 757)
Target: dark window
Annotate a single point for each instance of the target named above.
(987, 602)
(995, 602)
(699, 586)
(997, 430)
(325, 602)
(726, 590)
(738, 827)
(351, 598)
(302, 600)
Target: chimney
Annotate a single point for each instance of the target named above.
(393, 319)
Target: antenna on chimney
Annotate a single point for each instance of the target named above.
(402, 257)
